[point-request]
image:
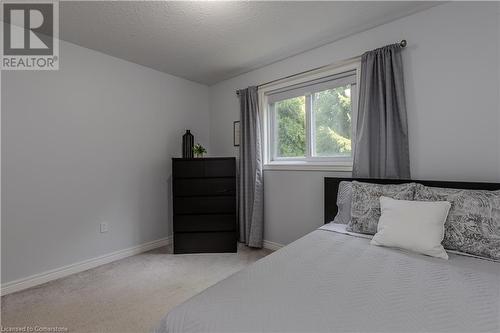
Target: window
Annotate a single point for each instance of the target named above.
(309, 122)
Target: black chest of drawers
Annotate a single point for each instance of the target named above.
(204, 204)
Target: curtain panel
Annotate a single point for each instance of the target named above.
(381, 147)
(251, 186)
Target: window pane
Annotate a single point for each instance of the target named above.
(291, 127)
(332, 125)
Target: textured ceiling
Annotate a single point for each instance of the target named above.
(207, 41)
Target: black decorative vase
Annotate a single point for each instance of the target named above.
(187, 145)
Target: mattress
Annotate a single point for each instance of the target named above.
(333, 282)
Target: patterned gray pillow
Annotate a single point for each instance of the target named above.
(473, 223)
(344, 197)
(365, 205)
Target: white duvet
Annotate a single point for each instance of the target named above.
(333, 282)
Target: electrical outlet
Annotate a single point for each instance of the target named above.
(104, 227)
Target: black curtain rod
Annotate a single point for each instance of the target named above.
(402, 43)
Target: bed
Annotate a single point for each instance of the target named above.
(334, 281)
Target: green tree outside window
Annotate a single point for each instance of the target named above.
(331, 124)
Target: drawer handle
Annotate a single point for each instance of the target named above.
(223, 191)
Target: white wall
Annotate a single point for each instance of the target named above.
(91, 142)
(452, 86)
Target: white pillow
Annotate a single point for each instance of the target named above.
(417, 226)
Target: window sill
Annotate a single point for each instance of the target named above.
(307, 166)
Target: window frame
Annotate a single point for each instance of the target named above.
(269, 125)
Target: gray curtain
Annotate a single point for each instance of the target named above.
(251, 186)
(381, 148)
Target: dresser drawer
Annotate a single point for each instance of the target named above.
(220, 168)
(190, 223)
(195, 242)
(201, 205)
(206, 186)
(188, 168)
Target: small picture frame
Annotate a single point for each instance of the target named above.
(236, 133)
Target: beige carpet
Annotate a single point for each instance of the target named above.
(129, 295)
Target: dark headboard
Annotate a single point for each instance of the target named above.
(332, 184)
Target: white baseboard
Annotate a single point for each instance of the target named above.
(272, 245)
(81, 266)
